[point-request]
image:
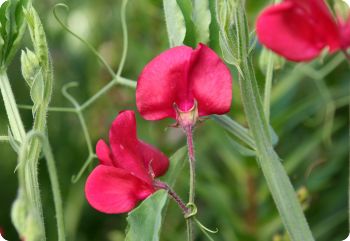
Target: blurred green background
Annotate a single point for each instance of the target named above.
(310, 113)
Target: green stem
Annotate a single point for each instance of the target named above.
(15, 120)
(268, 86)
(277, 179)
(192, 163)
(53, 177)
(31, 168)
(116, 80)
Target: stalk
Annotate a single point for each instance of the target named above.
(15, 120)
(192, 163)
(277, 179)
(41, 141)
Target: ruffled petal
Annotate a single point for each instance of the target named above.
(298, 30)
(125, 146)
(103, 153)
(154, 158)
(113, 190)
(210, 82)
(160, 82)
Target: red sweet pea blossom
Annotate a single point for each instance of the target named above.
(184, 83)
(126, 170)
(300, 29)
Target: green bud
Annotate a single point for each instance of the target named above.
(266, 56)
(225, 13)
(33, 231)
(37, 34)
(32, 73)
(30, 66)
(225, 16)
(19, 212)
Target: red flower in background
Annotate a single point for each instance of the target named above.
(182, 81)
(300, 29)
(126, 170)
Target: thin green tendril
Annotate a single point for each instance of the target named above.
(86, 43)
(193, 208)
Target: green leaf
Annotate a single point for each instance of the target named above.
(225, 18)
(201, 18)
(13, 142)
(12, 29)
(244, 151)
(235, 129)
(175, 22)
(145, 221)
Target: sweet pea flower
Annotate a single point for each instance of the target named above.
(184, 83)
(300, 29)
(127, 169)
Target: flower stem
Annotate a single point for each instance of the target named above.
(192, 162)
(173, 195)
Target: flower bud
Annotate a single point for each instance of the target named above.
(25, 222)
(30, 66)
(19, 212)
(33, 231)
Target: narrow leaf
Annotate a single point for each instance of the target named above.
(244, 151)
(145, 221)
(175, 22)
(235, 129)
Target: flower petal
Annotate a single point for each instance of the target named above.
(103, 153)
(345, 33)
(156, 159)
(125, 146)
(210, 81)
(157, 86)
(114, 190)
(298, 30)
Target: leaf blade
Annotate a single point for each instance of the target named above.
(175, 22)
(145, 221)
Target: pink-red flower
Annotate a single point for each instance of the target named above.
(126, 170)
(183, 81)
(300, 29)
